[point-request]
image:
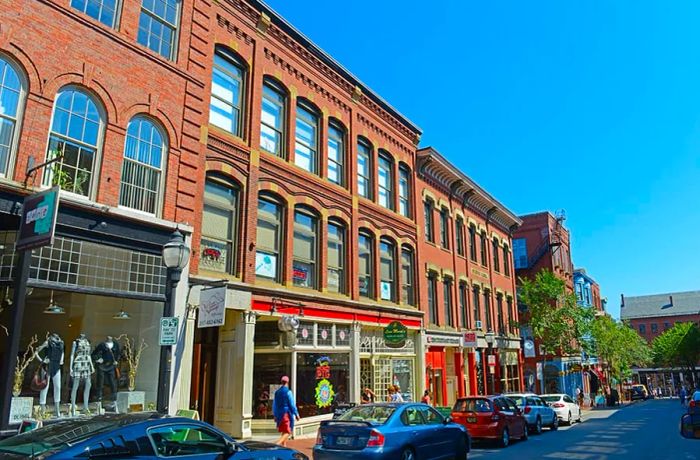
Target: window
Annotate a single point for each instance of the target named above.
(444, 228)
(227, 92)
(104, 11)
(306, 145)
(428, 214)
(336, 258)
(463, 305)
(269, 234)
(472, 243)
(408, 295)
(459, 230)
(387, 264)
(366, 255)
(11, 95)
(336, 154)
(158, 26)
(667, 326)
(431, 416)
(305, 247)
(432, 298)
(476, 307)
(272, 124)
(364, 170)
(500, 317)
(484, 256)
(142, 170)
(185, 440)
(509, 306)
(404, 191)
(412, 417)
(219, 225)
(520, 253)
(642, 329)
(447, 298)
(496, 251)
(75, 135)
(654, 328)
(487, 309)
(385, 180)
(506, 260)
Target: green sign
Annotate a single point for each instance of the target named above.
(395, 335)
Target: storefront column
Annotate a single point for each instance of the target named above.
(459, 367)
(421, 349)
(234, 385)
(497, 372)
(473, 380)
(355, 389)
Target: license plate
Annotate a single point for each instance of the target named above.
(343, 440)
(471, 419)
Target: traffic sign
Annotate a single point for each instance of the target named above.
(168, 331)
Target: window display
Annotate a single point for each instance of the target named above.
(322, 382)
(50, 354)
(81, 370)
(267, 370)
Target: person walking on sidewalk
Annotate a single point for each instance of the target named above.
(682, 394)
(285, 411)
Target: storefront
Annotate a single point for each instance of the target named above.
(445, 376)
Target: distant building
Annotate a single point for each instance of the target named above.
(587, 291)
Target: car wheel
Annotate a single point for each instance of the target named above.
(408, 454)
(568, 419)
(555, 423)
(505, 438)
(538, 425)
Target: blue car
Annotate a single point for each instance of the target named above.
(137, 436)
(391, 431)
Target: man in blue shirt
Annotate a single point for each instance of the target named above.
(285, 411)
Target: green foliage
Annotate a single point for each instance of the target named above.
(556, 320)
(678, 346)
(619, 346)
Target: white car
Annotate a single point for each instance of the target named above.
(566, 408)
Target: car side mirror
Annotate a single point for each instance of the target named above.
(447, 420)
(230, 449)
(690, 426)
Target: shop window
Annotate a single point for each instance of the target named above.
(432, 298)
(158, 24)
(219, 225)
(336, 153)
(428, 206)
(484, 255)
(463, 305)
(269, 234)
(324, 335)
(496, 251)
(105, 11)
(306, 333)
(75, 138)
(268, 368)
(322, 380)
(477, 308)
(342, 336)
(404, 191)
(459, 228)
(306, 138)
(444, 228)
(387, 263)
(506, 260)
(145, 156)
(12, 94)
(305, 249)
(365, 187)
(472, 243)
(447, 298)
(272, 118)
(227, 87)
(366, 270)
(385, 181)
(336, 258)
(408, 294)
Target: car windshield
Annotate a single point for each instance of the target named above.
(551, 398)
(368, 413)
(473, 405)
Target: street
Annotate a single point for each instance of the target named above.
(644, 430)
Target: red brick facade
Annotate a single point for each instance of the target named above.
(651, 327)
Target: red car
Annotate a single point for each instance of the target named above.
(491, 418)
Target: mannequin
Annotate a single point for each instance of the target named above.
(106, 355)
(81, 369)
(51, 353)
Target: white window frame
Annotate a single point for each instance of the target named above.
(19, 115)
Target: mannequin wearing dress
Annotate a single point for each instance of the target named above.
(51, 353)
(106, 356)
(81, 369)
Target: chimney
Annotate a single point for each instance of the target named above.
(670, 300)
(622, 302)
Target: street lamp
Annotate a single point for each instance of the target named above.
(490, 337)
(175, 254)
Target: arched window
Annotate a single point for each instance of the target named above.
(366, 269)
(145, 152)
(269, 239)
(428, 206)
(272, 118)
(227, 89)
(385, 181)
(404, 191)
(105, 11)
(487, 309)
(463, 307)
(387, 264)
(158, 24)
(336, 257)
(365, 186)
(336, 153)
(447, 284)
(76, 137)
(218, 246)
(472, 242)
(506, 260)
(445, 228)
(432, 298)
(496, 249)
(408, 292)
(484, 256)
(459, 230)
(12, 93)
(306, 144)
(477, 308)
(305, 253)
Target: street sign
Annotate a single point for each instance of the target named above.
(212, 307)
(38, 224)
(168, 331)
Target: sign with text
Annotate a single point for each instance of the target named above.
(38, 223)
(443, 340)
(470, 340)
(395, 334)
(168, 331)
(212, 307)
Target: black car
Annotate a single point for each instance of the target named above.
(137, 436)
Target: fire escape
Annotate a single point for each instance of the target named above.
(550, 241)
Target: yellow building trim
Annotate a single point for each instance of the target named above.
(428, 194)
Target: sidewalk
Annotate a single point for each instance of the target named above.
(303, 444)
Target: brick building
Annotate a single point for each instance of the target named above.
(467, 283)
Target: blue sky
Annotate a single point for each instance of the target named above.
(588, 106)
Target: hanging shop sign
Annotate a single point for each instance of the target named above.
(212, 307)
(38, 223)
(395, 335)
(469, 340)
(168, 331)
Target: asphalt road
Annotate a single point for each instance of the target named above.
(643, 430)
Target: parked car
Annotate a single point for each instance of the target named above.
(638, 391)
(143, 435)
(491, 418)
(565, 407)
(391, 431)
(537, 413)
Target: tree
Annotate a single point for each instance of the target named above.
(619, 346)
(678, 347)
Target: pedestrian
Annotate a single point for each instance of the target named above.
(426, 397)
(682, 394)
(285, 411)
(367, 396)
(396, 395)
(579, 396)
(390, 393)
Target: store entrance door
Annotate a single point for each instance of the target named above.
(203, 389)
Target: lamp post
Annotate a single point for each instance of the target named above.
(175, 254)
(490, 336)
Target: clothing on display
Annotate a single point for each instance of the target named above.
(106, 355)
(81, 369)
(51, 353)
